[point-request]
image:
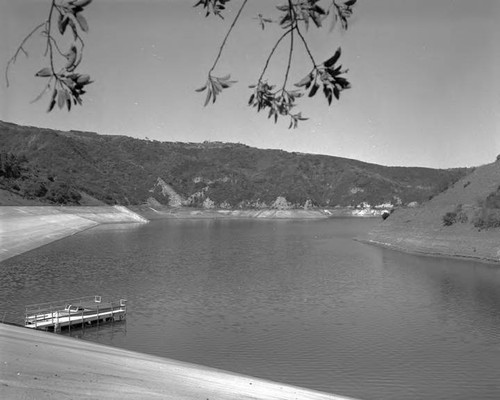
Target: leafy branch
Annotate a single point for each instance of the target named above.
(66, 85)
(281, 101)
(215, 85)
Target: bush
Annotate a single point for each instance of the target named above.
(493, 200)
(459, 215)
(462, 217)
(449, 218)
(487, 219)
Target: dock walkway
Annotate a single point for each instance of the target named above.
(54, 316)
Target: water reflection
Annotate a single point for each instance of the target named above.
(292, 301)
(114, 332)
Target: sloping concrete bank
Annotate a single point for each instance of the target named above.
(41, 365)
(25, 228)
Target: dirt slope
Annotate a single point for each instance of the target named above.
(421, 229)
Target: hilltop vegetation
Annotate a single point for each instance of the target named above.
(78, 167)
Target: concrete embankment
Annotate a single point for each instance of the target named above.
(41, 365)
(160, 212)
(26, 228)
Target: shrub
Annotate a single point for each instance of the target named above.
(462, 217)
(459, 215)
(487, 219)
(449, 218)
(493, 200)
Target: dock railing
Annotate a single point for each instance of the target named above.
(49, 311)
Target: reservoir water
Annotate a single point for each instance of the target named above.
(298, 302)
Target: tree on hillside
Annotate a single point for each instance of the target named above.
(66, 86)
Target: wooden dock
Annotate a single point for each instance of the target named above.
(74, 313)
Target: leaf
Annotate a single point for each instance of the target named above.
(62, 23)
(82, 22)
(201, 89)
(336, 92)
(304, 81)
(209, 95)
(319, 10)
(314, 89)
(81, 3)
(83, 80)
(332, 60)
(61, 98)
(350, 3)
(52, 101)
(44, 72)
(73, 28)
(71, 57)
(51, 105)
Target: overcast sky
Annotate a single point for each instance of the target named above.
(424, 73)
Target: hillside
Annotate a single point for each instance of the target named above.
(86, 168)
(463, 221)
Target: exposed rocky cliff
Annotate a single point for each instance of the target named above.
(76, 167)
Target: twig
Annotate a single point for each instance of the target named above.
(307, 47)
(227, 35)
(49, 37)
(19, 50)
(272, 52)
(293, 17)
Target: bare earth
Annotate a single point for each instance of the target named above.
(42, 365)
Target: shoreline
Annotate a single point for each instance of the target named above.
(43, 365)
(24, 228)
(458, 242)
(430, 253)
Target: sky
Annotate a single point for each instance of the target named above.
(424, 74)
